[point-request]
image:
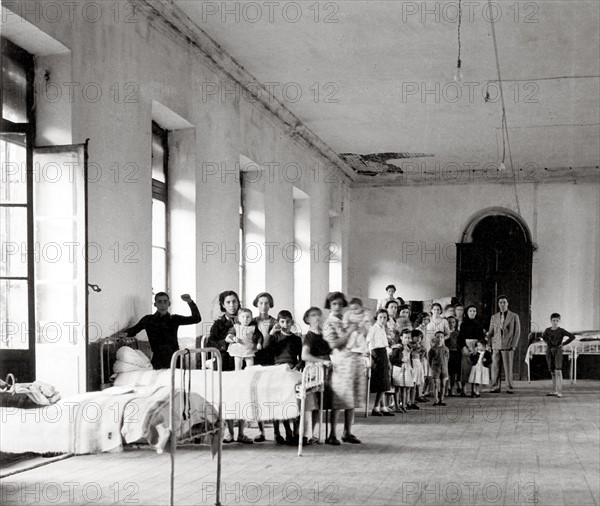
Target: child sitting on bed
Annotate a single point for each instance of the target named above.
(245, 340)
(286, 348)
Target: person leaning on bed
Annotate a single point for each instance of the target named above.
(162, 328)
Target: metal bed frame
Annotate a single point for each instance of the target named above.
(313, 381)
(210, 430)
(213, 397)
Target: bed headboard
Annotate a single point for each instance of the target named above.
(108, 353)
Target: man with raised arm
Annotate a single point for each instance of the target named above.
(161, 328)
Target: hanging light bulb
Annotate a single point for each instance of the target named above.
(501, 167)
(458, 74)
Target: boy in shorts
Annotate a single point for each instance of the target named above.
(554, 339)
(439, 355)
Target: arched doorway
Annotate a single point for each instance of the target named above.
(494, 258)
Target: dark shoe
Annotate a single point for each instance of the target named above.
(376, 413)
(463, 394)
(291, 440)
(245, 440)
(495, 391)
(279, 439)
(351, 438)
(332, 441)
(388, 413)
(551, 394)
(472, 394)
(441, 403)
(228, 440)
(435, 403)
(414, 406)
(510, 391)
(260, 439)
(306, 441)
(450, 394)
(420, 399)
(477, 395)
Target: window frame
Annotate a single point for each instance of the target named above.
(160, 192)
(28, 130)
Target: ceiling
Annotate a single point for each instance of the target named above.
(373, 63)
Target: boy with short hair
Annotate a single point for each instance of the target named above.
(439, 355)
(553, 336)
(161, 328)
(286, 348)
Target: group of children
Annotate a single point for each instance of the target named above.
(422, 358)
(406, 363)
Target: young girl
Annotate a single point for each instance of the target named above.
(480, 373)
(421, 324)
(245, 340)
(416, 355)
(315, 349)
(402, 372)
(455, 357)
(377, 340)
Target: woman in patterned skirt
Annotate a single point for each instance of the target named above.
(347, 381)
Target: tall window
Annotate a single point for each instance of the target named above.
(160, 178)
(16, 209)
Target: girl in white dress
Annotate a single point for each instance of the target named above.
(480, 373)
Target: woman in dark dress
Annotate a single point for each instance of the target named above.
(470, 332)
(229, 302)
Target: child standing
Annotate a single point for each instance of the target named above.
(245, 340)
(416, 355)
(553, 336)
(455, 357)
(402, 372)
(421, 324)
(315, 349)
(377, 341)
(285, 348)
(480, 373)
(438, 361)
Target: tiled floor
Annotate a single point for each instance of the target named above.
(496, 450)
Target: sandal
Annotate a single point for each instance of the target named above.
(245, 440)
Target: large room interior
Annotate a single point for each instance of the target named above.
(303, 148)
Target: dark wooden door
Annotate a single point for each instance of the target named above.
(485, 271)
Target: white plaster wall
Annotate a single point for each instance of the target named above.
(146, 64)
(406, 236)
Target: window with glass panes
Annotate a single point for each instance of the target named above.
(160, 254)
(17, 136)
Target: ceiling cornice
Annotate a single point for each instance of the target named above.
(187, 32)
